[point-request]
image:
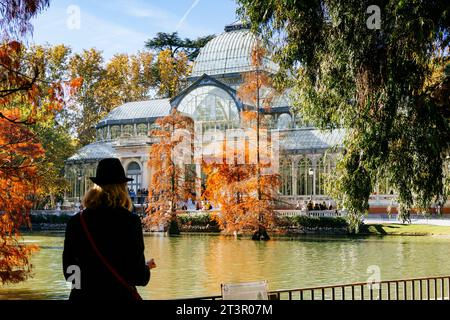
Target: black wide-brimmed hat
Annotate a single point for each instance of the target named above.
(110, 171)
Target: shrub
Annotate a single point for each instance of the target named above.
(51, 219)
(197, 220)
(313, 222)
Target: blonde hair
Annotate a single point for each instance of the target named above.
(109, 195)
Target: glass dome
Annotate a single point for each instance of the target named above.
(209, 103)
(229, 52)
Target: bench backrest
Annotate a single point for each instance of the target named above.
(245, 291)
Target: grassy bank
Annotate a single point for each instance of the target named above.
(404, 229)
(284, 225)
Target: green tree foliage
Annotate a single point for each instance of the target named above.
(52, 131)
(388, 87)
(172, 41)
(172, 73)
(128, 78)
(87, 109)
(102, 87)
(105, 86)
(173, 64)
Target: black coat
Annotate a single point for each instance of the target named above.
(118, 236)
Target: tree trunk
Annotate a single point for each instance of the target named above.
(173, 228)
(261, 234)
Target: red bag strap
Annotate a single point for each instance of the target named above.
(119, 278)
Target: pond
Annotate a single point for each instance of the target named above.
(195, 265)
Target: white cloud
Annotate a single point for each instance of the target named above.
(108, 36)
(121, 26)
(164, 21)
(186, 14)
(149, 12)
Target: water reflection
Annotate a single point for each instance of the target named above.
(196, 265)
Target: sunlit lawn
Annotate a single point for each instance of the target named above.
(405, 229)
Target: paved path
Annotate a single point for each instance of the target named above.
(430, 221)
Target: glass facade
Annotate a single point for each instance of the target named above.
(79, 182)
(127, 131)
(304, 178)
(212, 106)
(286, 177)
(115, 132)
(213, 103)
(308, 176)
(284, 121)
(134, 171)
(142, 129)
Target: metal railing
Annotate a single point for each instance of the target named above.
(429, 288)
(310, 213)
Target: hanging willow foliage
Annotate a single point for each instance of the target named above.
(389, 87)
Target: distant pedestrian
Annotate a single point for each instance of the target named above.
(439, 208)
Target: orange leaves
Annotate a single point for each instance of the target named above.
(258, 54)
(14, 256)
(234, 187)
(4, 56)
(7, 50)
(18, 180)
(15, 46)
(248, 116)
(75, 84)
(21, 103)
(257, 87)
(168, 185)
(174, 121)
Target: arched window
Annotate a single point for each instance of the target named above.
(324, 166)
(115, 132)
(142, 129)
(209, 103)
(90, 172)
(99, 134)
(134, 171)
(72, 178)
(284, 121)
(105, 133)
(321, 170)
(304, 177)
(128, 130)
(286, 178)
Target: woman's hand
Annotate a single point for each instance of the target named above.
(151, 263)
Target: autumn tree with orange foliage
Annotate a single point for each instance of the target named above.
(235, 183)
(168, 187)
(23, 103)
(257, 90)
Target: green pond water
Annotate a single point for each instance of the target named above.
(195, 265)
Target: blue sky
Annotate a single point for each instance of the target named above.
(122, 26)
